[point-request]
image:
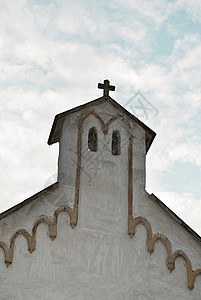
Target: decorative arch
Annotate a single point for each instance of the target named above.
(104, 128)
(73, 213)
(52, 225)
(151, 240)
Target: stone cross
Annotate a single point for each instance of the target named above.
(106, 87)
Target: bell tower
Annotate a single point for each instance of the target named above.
(102, 160)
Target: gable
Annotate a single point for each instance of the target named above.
(59, 119)
(98, 222)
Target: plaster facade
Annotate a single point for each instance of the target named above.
(94, 247)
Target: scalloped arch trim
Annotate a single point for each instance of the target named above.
(151, 240)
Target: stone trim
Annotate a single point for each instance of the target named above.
(31, 238)
(73, 213)
(105, 128)
(58, 120)
(151, 240)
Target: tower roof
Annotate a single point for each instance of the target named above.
(59, 119)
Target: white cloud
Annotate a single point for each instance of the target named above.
(52, 59)
(186, 152)
(192, 7)
(156, 11)
(185, 206)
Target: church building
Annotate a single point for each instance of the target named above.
(97, 233)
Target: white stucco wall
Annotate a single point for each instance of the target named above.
(97, 259)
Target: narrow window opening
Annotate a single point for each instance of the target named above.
(92, 139)
(116, 143)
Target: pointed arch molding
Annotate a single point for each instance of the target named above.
(104, 127)
(73, 213)
(151, 240)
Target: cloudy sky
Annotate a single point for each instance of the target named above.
(53, 54)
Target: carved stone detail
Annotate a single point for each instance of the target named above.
(73, 213)
(151, 239)
(31, 238)
(105, 128)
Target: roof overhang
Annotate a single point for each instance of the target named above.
(59, 119)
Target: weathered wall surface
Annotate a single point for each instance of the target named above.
(82, 264)
(97, 259)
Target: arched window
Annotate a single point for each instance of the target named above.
(92, 139)
(116, 143)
